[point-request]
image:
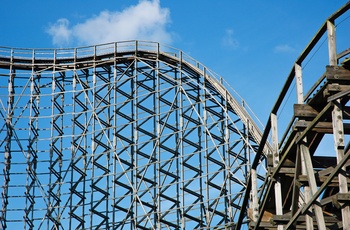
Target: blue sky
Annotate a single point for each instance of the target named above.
(251, 44)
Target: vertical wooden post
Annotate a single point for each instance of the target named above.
(306, 161)
(254, 196)
(338, 134)
(299, 83)
(332, 50)
(300, 100)
(338, 127)
(276, 159)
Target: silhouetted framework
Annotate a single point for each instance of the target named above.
(308, 182)
(128, 135)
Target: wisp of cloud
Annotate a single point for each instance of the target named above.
(145, 21)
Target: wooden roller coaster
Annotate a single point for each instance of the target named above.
(305, 189)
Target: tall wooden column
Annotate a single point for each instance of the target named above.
(276, 159)
(306, 164)
(338, 126)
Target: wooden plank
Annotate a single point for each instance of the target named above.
(319, 162)
(321, 179)
(304, 111)
(321, 127)
(343, 197)
(339, 95)
(335, 87)
(287, 171)
(337, 74)
(286, 217)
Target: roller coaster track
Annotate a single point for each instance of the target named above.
(126, 135)
(307, 186)
(135, 135)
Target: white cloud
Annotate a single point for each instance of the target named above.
(145, 21)
(60, 32)
(228, 40)
(284, 48)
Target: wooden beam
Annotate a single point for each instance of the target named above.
(320, 127)
(338, 95)
(343, 197)
(339, 129)
(332, 50)
(254, 199)
(286, 217)
(304, 111)
(321, 179)
(337, 74)
(313, 186)
(334, 88)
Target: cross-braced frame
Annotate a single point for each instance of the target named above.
(120, 136)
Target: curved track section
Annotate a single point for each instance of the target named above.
(127, 135)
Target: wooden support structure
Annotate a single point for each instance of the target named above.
(314, 188)
(308, 186)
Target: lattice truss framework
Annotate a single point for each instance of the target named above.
(127, 140)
